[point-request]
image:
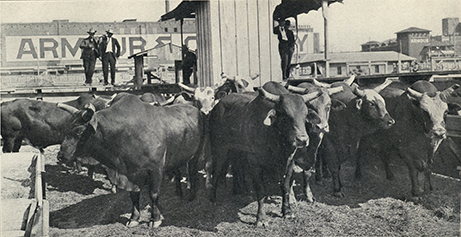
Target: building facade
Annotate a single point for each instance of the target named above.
(32, 47)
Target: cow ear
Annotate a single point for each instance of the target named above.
(270, 116)
(93, 124)
(358, 104)
(337, 105)
(313, 117)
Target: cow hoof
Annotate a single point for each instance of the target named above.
(289, 216)
(113, 189)
(155, 224)
(339, 194)
(132, 223)
(261, 224)
(310, 199)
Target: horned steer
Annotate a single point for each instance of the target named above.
(140, 142)
(39, 122)
(416, 135)
(363, 115)
(268, 128)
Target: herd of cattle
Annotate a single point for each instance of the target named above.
(263, 133)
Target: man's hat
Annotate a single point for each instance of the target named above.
(91, 31)
(109, 31)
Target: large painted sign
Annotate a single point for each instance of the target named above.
(32, 48)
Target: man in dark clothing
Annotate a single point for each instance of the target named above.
(109, 49)
(89, 55)
(286, 45)
(188, 65)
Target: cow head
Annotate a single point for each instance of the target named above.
(434, 107)
(229, 85)
(289, 116)
(321, 104)
(81, 120)
(205, 97)
(372, 107)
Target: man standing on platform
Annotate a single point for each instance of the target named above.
(286, 45)
(89, 55)
(110, 51)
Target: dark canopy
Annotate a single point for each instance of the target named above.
(292, 8)
(186, 9)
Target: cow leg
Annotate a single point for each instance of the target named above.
(135, 213)
(306, 187)
(415, 190)
(8, 145)
(154, 190)
(177, 181)
(193, 177)
(91, 169)
(17, 144)
(428, 184)
(218, 171)
(286, 185)
(258, 184)
(238, 160)
(333, 163)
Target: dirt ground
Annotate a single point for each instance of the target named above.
(373, 206)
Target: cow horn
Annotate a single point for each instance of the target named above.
(321, 84)
(109, 103)
(167, 102)
(414, 93)
(448, 92)
(358, 92)
(381, 87)
(270, 96)
(350, 80)
(310, 96)
(297, 89)
(186, 88)
(67, 107)
(335, 90)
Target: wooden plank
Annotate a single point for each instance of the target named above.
(241, 27)
(253, 38)
(275, 66)
(215, 46)
(227, 26)
(265, 33)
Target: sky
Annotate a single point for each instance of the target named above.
(350, 23)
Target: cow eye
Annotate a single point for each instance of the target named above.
(371, 103)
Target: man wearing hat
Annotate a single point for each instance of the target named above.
(110, 51)
(89, 55)
(286, 45)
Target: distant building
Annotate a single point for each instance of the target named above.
(344, 64)
(441, 52)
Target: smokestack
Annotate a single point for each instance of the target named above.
(167, 6)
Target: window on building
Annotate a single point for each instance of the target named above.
(166, 29)
(376, 69)
(339, 71)
(175, 29)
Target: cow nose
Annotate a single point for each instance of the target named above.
(302, 141)
(441, 132)
(391, 122)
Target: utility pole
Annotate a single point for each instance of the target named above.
(325, 31)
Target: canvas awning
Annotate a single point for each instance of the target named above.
(186, 9)
(292, 8)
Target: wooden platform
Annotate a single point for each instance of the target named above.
(14, 196)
